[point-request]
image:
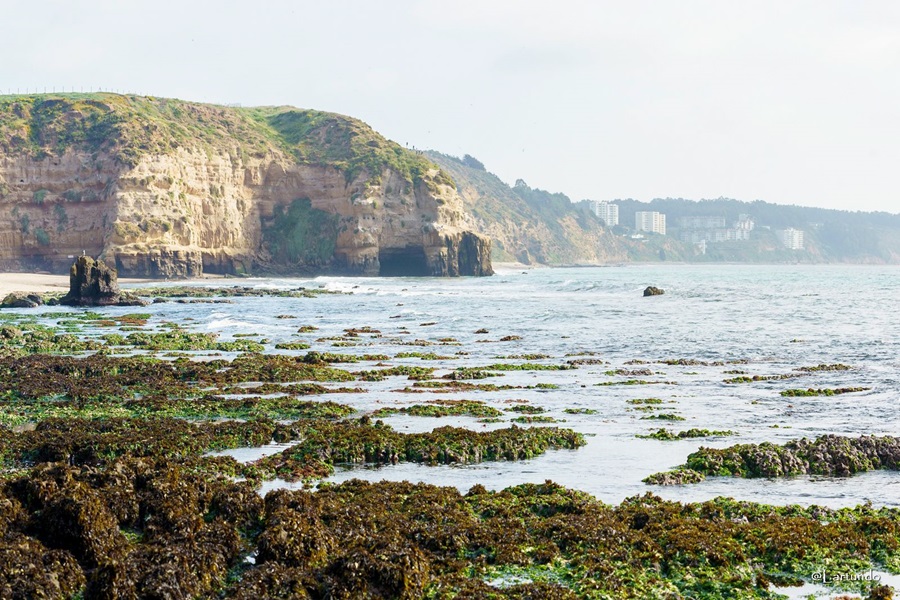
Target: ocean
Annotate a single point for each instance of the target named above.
(712, 321)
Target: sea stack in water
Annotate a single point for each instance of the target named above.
(92, 283)
(653, 291)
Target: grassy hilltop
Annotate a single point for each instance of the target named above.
(168, 188)
(131, 126)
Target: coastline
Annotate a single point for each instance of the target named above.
(42, 283)
(38, 283)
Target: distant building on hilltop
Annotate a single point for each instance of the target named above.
(743, 226)
(652, 221)
(714, 229)
(791, 238)
(607, 211)
(701, 222)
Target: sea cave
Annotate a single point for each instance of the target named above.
(403, 262)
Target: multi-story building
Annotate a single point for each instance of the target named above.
(607, 211)
(791, 238)
(651, 220)
(714, 229)
(701, 222)
(742, 227)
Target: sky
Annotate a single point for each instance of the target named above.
(791, 102)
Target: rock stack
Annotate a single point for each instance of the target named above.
(92, 283)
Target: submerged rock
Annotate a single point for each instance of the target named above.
(676, 477)
(653, 291)
(92, 283)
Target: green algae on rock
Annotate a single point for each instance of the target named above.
(830, 455)
(675, 477)
(322, 445)
(826, 455)
(666, 435)
(823, 391)
(664, 417)
(188, 530)
(442, 408)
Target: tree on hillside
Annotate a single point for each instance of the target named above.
(472, 162)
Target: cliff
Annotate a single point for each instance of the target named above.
(166, 188)
(533, 226)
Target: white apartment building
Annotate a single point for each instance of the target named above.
(791, 238)
(702, 222)
(607, 211)
(650, 220)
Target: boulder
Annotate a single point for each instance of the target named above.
(653, 291)
(21, 300)
(93, 283)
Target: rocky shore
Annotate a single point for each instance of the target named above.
(113, 481)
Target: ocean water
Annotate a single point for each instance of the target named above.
(763, 320)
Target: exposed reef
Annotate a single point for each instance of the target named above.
(142, 525)
(831, 455)
(134, 469)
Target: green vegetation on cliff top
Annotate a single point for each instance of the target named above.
(128, 127)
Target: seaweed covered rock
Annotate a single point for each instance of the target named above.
(295, 535)
(74, 517)
(391, 570)
(28, 570)
(676, 477)
(274, 580)
(325, 444)
(93, 283)
(653, 291)
(831, 455)
(21, 300)
(404, 540)
(99, 442)
(184, 531)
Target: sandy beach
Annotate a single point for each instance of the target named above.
(40, 283)
(32, 282)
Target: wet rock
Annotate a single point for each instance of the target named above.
(653, 291)
(676, 477)
(8, 332)
(830, 455)
(21, 300)
(92, 283)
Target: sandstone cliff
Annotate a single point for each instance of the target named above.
(165, 188)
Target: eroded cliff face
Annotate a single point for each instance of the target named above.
(196, 210)
(54, 208)
(167, 188)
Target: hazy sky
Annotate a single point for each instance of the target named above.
(789, 102)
